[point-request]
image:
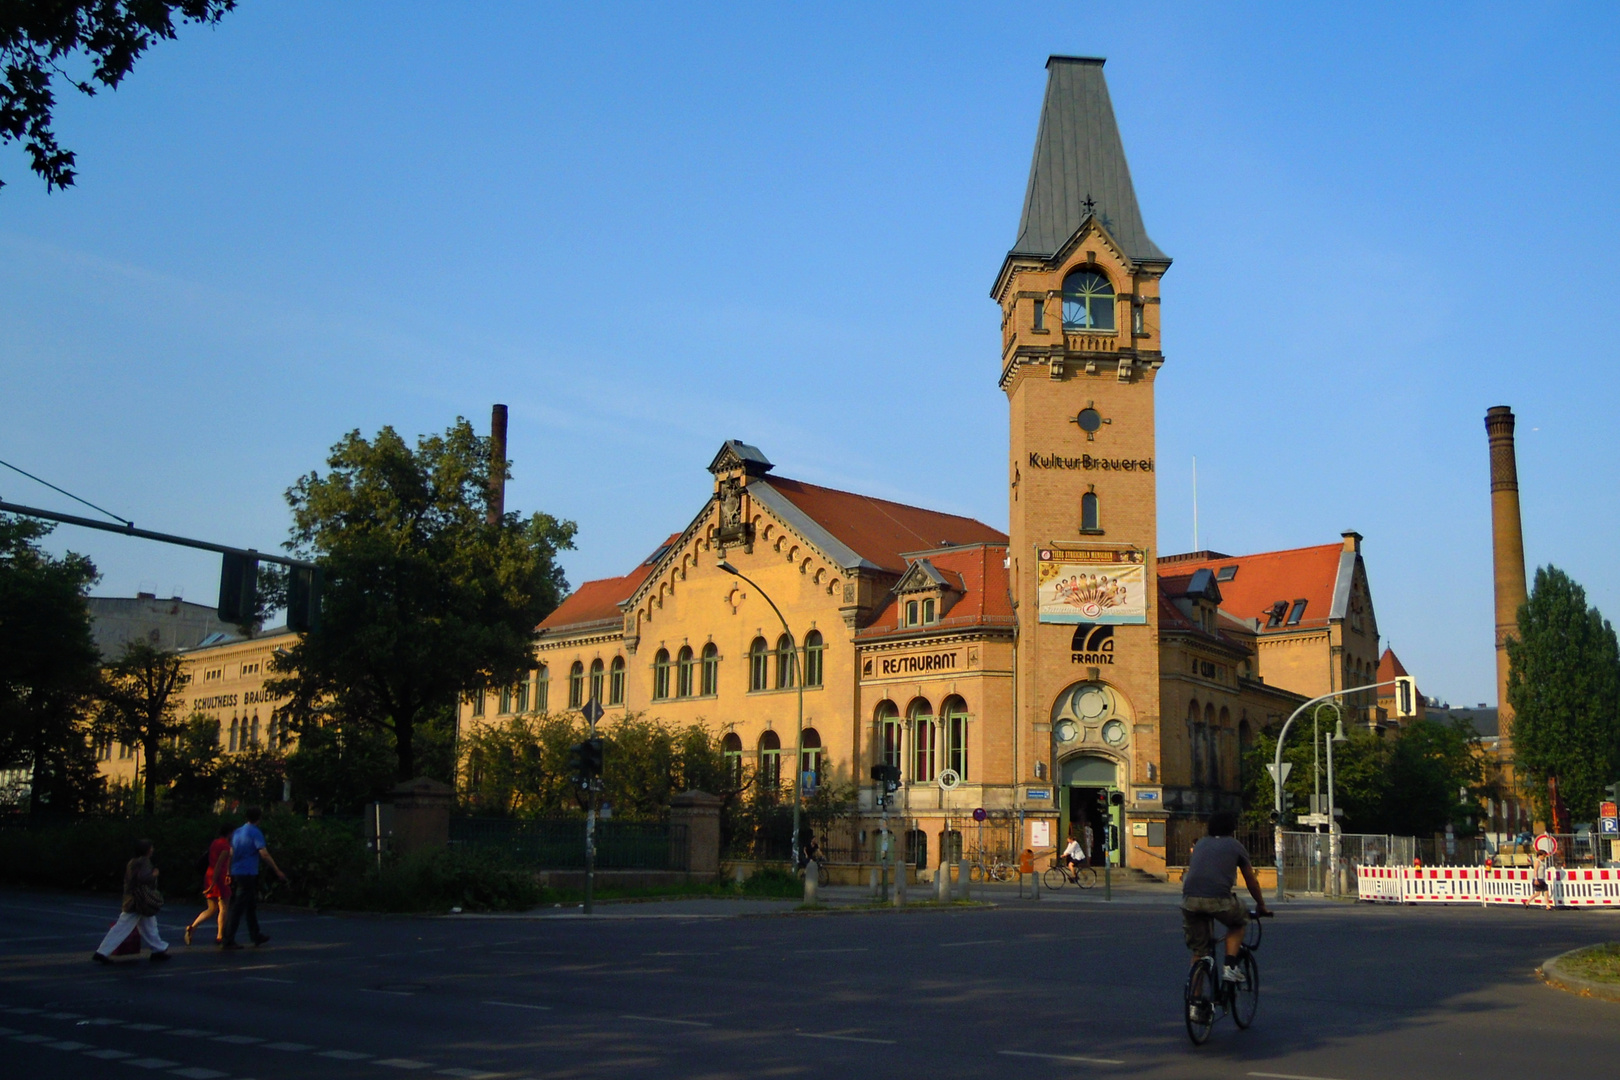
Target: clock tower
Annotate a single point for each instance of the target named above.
(1079, 298)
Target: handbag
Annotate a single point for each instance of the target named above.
(148, 901)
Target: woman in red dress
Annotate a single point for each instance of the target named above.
(216, 884)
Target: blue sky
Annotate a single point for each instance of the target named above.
(651, 229)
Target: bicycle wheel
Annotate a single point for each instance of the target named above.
(1086, 877)
(1246, 995)
(1053, 878)
(1197, 1008)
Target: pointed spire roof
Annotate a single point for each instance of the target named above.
(1079, 157)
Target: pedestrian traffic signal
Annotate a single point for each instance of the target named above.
(887, 775)
(1116, 798)
(238, 589)
(1102, 801)
(591, 758)
(304, 598)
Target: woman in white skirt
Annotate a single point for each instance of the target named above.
(142, 902)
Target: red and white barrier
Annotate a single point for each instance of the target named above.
(1567, 888)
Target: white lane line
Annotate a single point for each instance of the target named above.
(519, 1005)
(1288, 1076)
(404, 1063)
(69, 1044)
(152, 1063)
(100, 1021)
(844, 1038)
(1076, 1058)
(292, 1046)
(108, 1055)
(343, 1055)
(960, 944)
(665, 1020)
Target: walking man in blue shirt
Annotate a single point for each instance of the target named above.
(247, 850)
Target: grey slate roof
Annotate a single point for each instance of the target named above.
(1078, 154)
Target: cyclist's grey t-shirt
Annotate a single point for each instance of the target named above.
(1212, 870)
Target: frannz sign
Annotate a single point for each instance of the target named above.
(1092, 644)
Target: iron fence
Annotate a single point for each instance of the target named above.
(559, 843)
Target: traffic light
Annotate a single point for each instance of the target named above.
(576, 761)
(1406, 699)
(591, 757)
(304, 598)
(1116, 798)
(238, 589)
(889, 777)
(1612, 792)
(1102, 801)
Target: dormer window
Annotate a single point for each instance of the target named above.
(922, 612)
(1088, 302)
(912, 608)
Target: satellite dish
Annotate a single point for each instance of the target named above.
(949, 779)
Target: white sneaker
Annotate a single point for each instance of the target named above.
(1234, 975)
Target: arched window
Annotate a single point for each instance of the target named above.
(731, 750)
(916, 847)
(889, 733)
(759, 665)
(920, 716)
(1210, 775)
(810, 754)
(616, 681)
(770, 761)
(661, 675)
(1088, 512)
(232, 746)
(955, 734)
(813, 649)
(1195, 743)
(1088, 301)
(1216, 738)
(785, 662)
(253, 740)
(596, 681)
(711, 670)
(542, 690)
(576, 685)
(683, 672)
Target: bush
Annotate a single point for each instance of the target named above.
(472, 880)
(773, 881)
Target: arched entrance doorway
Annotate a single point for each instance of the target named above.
(1091, 728)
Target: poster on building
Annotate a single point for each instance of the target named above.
(1091, 586)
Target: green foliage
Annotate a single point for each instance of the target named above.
(773, 881)
(1408, 783)
(339, 766)
(471, 879)
(425, 598)
(191, 767)
(38, 39)
(140, 706)
(1564, 686)
(49, 668)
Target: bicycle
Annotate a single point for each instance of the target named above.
(1208, 996)
(998, 869)
(1059, 874)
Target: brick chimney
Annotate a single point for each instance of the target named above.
(1507, 549)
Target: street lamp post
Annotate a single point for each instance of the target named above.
(1276, 768)
(1338, 736)
(798, 681)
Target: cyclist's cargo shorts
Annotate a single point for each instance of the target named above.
(1196, 911)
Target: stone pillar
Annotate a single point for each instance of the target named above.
(812, 879)
(422, 815)
(1507, 553)
(942, 882)
(700, 813)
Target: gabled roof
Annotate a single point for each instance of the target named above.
(1389, 667)
(1318, 575)
(753, 461)
(858, 530)
(598, 601)
(1078, 157)
(978, 570)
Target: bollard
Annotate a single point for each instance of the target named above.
(812, 880)
(942, 882)
(962, 880)
(739, 873)
(872, 889)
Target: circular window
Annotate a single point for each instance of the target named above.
(1090, 702)
(1066, 731)
(1089, 420)
(1113, 733)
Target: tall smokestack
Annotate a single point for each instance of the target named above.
(497, 469)
(1507, 548)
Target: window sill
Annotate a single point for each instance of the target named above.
(1091, 532)
(784, 690)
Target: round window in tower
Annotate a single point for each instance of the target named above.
(1113, 733)
(1089, 420)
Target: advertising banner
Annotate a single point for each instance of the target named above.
(1078, 585)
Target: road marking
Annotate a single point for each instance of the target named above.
(64, 1016)
(286, 1046)
(343, 1055)
(199, 1074)
(803, 952)
(1064, 1057)
(100, 1021)
(1289, 1076)
(108, 1055)
(468, 1074)
(68, 1044)
(665, 1020)
(844, 1038)
(960, 944)
(519, 1005)
(152, 1063)
(31, 1038)
(404, 1063)
(147, 1027)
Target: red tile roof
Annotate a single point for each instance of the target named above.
(980, 571)
(1389, 666)
(881, 531)
(1308, 574)
(599, 600)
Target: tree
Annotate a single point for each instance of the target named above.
(140, 707)
(37, 39)
(425, 598)
(1564, 686)
(49, 666)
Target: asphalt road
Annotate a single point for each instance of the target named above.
(1050, 989)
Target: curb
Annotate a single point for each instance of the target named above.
(1553, 974)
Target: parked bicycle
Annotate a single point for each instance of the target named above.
(1210, 996)
(997, 869)
(1060, 874)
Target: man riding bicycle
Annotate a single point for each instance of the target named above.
(1208, 892)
